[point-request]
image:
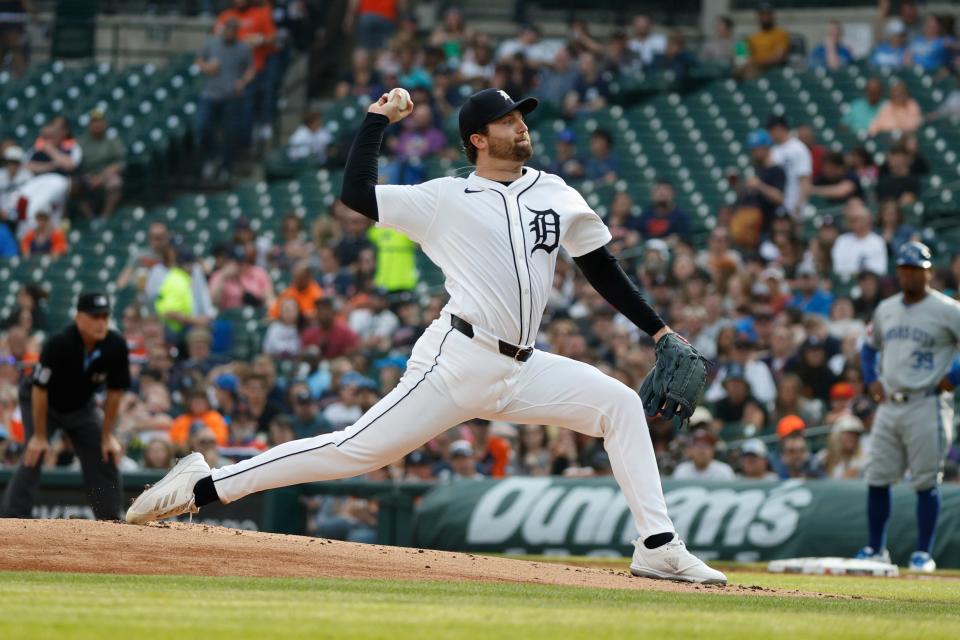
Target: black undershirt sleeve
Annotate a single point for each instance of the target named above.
(360, 173)
(606, 275)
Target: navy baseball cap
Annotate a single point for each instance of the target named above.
(914, 254)
(485, 106)
(93, 302)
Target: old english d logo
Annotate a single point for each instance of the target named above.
(546, 226)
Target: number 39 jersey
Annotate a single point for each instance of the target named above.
(917, 341)
(497, 245)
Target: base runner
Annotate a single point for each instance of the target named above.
(916, 333)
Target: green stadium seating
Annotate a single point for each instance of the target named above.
(690, 137)
(149, 107)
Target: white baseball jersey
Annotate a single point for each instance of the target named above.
(496, 245)
(917, 341)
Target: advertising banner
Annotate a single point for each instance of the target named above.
(745, 521)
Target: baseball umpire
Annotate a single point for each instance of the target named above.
(916, 333)
(74, 365)
(496, 235)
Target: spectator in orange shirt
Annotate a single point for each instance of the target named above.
(769, 46)
(44, 239)
(257, 29)
(303, 288)
(493, 452)
(198, 412)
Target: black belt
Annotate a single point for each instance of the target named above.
(521, 354)
(903, 397)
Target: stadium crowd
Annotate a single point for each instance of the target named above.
(758, 297)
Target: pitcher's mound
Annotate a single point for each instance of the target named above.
(88, 546)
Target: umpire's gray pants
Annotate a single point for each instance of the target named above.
(915, 435)
(102, 479)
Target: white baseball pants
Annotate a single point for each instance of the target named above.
(451, 378)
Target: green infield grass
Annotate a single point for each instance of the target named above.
(61, 606)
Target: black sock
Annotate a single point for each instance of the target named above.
(652, 542)
(204, 492)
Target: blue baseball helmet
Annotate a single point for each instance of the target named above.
(914, 254)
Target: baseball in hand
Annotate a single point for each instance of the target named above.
(401, 97)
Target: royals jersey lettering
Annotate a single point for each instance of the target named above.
(917, 341)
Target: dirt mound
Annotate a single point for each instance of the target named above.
(88, 546)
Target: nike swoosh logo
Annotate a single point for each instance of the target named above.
(468, 190)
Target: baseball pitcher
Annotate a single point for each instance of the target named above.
(496, 235)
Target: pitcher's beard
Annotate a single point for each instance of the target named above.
(510, 150)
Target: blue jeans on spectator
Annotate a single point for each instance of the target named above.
(373, 31)
(218, 116)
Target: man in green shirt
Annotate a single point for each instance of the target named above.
(862, 110)
(174, 302)
(101, 174)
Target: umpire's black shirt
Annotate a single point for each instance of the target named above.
(71, 375)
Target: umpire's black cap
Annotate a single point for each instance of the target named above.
(488, 105)
(93, 302)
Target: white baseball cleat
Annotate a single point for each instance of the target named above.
(173, 495)
(672, 561)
